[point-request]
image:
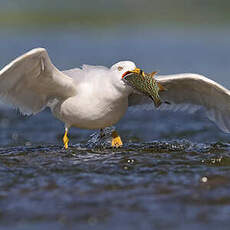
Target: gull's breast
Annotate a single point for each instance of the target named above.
(92, 111)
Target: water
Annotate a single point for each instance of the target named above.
(155, 185)
(173, 171)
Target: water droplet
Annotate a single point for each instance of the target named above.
(204, 179)
(130, 161)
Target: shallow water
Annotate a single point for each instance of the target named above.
(153, 185)
(173, 171)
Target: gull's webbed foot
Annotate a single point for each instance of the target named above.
(66, 139)
(116, 140)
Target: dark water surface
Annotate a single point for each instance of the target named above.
(173, 171)
(154, 185)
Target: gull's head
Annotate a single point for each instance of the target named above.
(122, 68)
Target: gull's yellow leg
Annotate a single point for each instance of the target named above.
(66, 139)
(116, 140)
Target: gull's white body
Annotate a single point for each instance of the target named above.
(96, 97)
(88, 98)
(94, 106)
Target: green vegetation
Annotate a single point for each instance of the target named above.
(112, 13)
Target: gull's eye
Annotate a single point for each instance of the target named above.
(120, 68)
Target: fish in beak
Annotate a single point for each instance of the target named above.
(144, 83)
(137, 71)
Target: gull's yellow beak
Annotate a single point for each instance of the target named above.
(136, 70)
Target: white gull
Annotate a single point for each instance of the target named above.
(96, 97)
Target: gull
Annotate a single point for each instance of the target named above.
(96, 97)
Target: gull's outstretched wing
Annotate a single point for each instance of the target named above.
(190, 92)
(31, 81)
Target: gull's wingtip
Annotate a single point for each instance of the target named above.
(36, 51)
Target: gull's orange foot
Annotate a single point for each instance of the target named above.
(116, 140)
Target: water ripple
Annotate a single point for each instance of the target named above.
(93, 185)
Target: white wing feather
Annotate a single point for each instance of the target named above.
(31, 81)
(191, 92)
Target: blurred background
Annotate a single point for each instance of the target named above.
(166, 36)
(178, 180)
